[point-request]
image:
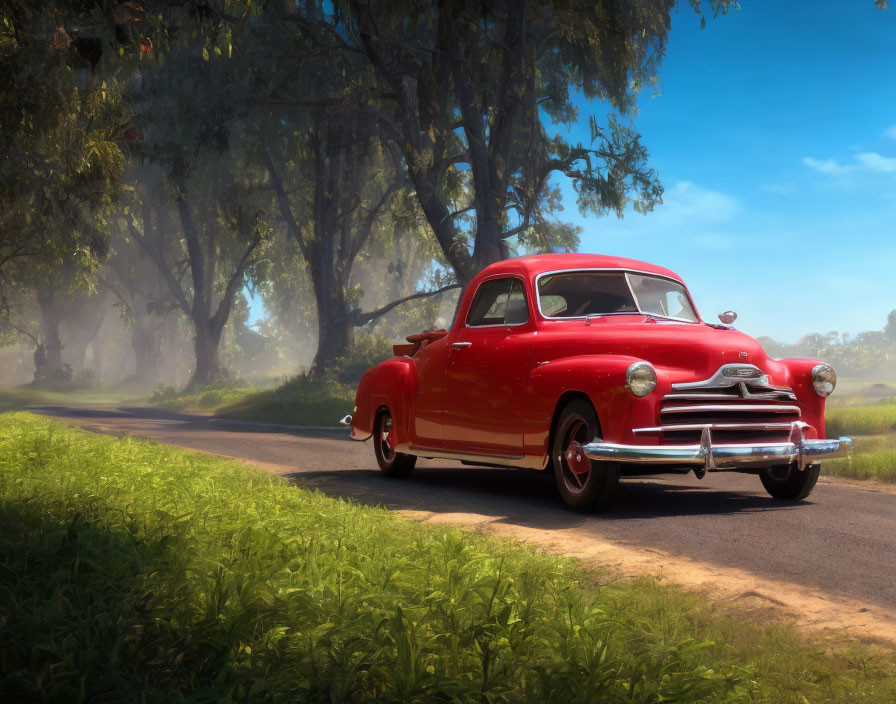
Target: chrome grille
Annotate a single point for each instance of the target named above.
(738, 404)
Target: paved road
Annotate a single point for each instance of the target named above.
(841, 541)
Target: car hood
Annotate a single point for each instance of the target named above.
(687, 350)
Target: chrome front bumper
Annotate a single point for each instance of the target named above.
(709, 457)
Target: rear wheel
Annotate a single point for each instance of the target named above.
(786, 482)
(584, 484)
(392, 463)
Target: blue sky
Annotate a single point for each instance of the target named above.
(774, 134)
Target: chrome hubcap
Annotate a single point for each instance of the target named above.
(576, 467)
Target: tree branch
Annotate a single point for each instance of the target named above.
(233, 284)
(159, 258)
(369, 220)
(362, 318)
(283, 202)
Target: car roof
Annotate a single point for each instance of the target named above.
(533, 265)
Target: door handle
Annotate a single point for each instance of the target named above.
(460, 345)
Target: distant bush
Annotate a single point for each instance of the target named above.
(367, 351)
(312, 398)
(54, 379)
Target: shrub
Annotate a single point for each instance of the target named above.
(367, 351)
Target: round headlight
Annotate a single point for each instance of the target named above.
(640, 378)
(824, 379)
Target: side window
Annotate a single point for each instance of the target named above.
(517, 311)
(499, 302)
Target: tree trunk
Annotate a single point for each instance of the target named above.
(84, 316)
(334, 339)
(208, 362)
(335, 327)
(147, 346)
(98, 358)
(48, 364)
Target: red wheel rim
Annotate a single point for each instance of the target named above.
(387, 438)
(575, 467)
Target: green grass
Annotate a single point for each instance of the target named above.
(205, 398)
(304, 399)
(874, 457)
(136, 572)
(872, 427)
(869, 419)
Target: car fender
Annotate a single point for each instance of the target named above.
(393, 384)
(797, 374)
(601, 378)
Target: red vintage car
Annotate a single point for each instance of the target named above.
(594, 367)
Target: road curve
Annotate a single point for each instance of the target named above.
(840, 542)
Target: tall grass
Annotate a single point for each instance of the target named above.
(874, 457)
(861, 420)
(136, 572)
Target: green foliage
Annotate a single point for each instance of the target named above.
(485, 76)
(312, 398)
(144, 572)
(367, 351)
(61, 123)
(206, 397)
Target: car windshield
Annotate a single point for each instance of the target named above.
(575, 294)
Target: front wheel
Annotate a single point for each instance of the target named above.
(584, 484)
(393, 464)
(787, 482)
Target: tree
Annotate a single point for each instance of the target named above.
(84, 313)
(61, 124)
(466, 87)
(203, 194)
(144, 299)
(890, 327)
(335, 185)
(347, 198)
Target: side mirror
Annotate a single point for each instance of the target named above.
(728, 317)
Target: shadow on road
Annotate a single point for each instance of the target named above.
(522, 497)
(528, 498)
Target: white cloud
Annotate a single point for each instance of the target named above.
(890, 132)
(690, 202)
(866, 161)
(831, 167)
(876, 162)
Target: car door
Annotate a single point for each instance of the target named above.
(431, 362)
(485, 375)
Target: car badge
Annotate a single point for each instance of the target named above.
(743, 354)
(742, 372)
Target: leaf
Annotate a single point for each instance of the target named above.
(205, 53)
